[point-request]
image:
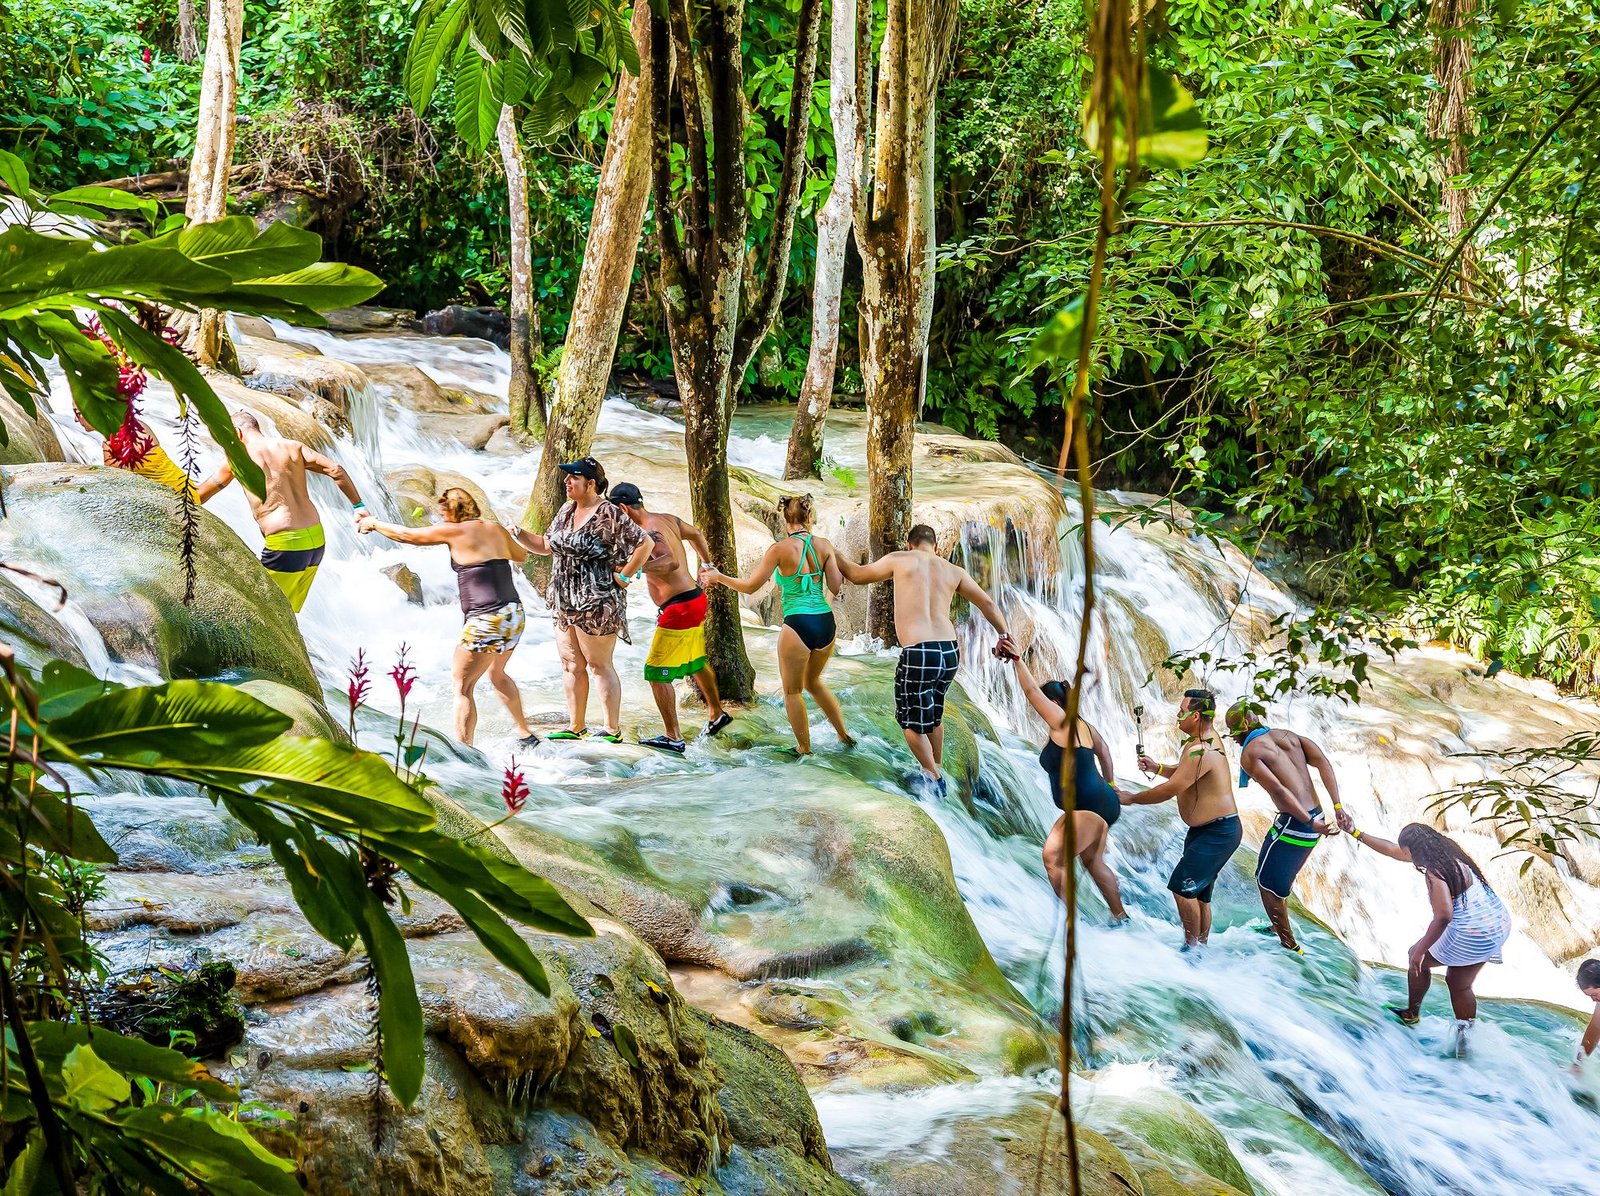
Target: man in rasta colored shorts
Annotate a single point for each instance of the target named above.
(1281, 762)
(1199, 780)
(287, 517)
(679, 646)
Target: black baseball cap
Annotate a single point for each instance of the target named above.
(626, 494)
(587, 467)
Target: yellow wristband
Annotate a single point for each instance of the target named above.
(1338, 805)
(1356, 833)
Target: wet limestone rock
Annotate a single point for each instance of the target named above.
(410, 584)
(298, 371)
(35, 634)
(1164, 1132)
(113, 539)
(29, 439)
(417, 489)
(286, 418)
(1004, 1154)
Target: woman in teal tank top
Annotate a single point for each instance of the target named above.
(807, 567)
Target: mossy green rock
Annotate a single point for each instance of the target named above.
(114, 540)
(1170, 1133)
(29, 439)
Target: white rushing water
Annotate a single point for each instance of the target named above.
(1264, 1042)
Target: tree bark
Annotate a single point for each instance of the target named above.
(188, 34)
(720, 297)
(213, 153)
(894, 229)
(526, 396)
(1450, 115)
(804, 458)
(603, 282)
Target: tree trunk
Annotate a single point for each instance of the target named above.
(526, 395)
(833, 240)
(188, 34)
(1450, 116)
(894, 228)
(213, 153)
(603, 282)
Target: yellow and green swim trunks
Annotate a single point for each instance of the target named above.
(292, 557)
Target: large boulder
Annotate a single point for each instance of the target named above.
(607, 1083)
(416, 488)
(32, 631)
(485, 323)
(299, 372)
(29, 439)
(114, 540)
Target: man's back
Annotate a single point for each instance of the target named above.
(1211, 795)
(925, 584)
(1280, 756)
(667, 569)
(287, 503)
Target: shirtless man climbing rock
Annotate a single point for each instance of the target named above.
(925, 584)
(1282, 763)
(287, 517)
(679, 647)
(1200, 782)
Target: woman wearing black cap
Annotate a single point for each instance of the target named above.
(597, 551)
(1095, 804)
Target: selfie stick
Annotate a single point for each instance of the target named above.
(1138, 713)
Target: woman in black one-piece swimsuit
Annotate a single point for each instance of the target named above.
(1096, 806)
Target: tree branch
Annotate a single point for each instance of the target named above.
(691, 100)
(674, 269)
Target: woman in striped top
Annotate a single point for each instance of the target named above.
(1470, 923)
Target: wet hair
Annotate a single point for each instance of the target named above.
(923, 534)
(459, 505)
(1589, 974)
(1434, 855)
(1056, 691)
(1202, 702)
(796, 510)
(244, 419)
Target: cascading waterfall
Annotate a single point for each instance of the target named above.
(1289, 1056)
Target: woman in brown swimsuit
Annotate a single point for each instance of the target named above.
(598, 551)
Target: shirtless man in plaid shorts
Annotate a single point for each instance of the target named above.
(925, 584)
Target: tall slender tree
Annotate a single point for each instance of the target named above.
(525, 394)
(895, 232)
(719, 295)
(847, 86)
(212, 162)
(1450, 116)
(604, 280)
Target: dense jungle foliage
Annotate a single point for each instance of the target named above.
(1358, 329)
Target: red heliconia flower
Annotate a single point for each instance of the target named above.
(147, 56)
(403, 674)
(360, 684)
(131, 443)
(514, 788)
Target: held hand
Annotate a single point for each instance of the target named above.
(1346, 823)
(709, 576)
(1122, 797)
(1320, 825)
(365, 523)
(1006, 648)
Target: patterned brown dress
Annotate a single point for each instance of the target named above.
(583, 593)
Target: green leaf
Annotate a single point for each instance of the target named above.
(14, 174)
(65, 829)
(219, 1153)
(194, 721)
(131, 1056)
(627, 1045)
(26, 1167)
(63, 687)
(155, 354)
(399, 1010)
(246, 253)
(1171, 132)
(1059, 342)
(477, 111)
(292, 843)
(498, 938)
(90, 1084)
(321, 287)
(108, 198)
(438, 27)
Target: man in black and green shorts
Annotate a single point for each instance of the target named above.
(1281, 763)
